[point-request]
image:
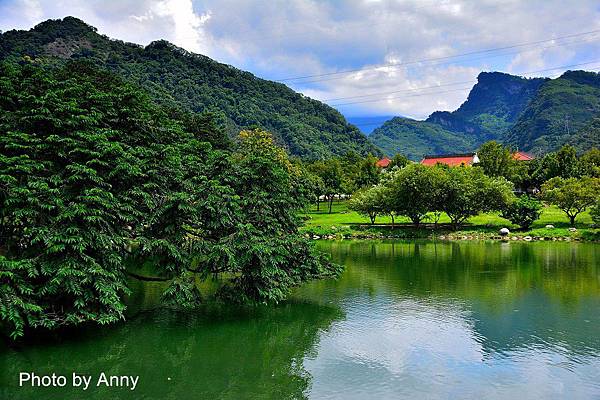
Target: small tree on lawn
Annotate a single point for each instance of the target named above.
(571, 195)
(439, 181)
(523, 211)
(368, 202)
(332, 175)
(315, 185)
(468, 192)
(410, 191)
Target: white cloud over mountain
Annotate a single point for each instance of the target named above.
(282, 39)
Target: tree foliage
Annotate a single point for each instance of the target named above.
(595, 213)
(95, 176)
(469, 192)
(332, 174)
(411, 190)
(590, 163)
(416, 191)
(369, 202)
(495, 159)
(523, 211)
(572, 195)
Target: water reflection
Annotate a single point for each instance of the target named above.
(219, 353)
(460, 320)
(464, 320)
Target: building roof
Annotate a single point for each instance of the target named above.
(522, 156)
(452, 160)
(383, 163)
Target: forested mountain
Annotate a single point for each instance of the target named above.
(565, 110)
(416, 138)
(493, 105)
(192, 82)
(536, 115)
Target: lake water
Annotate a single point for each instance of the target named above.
(422, 320)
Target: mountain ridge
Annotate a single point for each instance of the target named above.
(514, 110)
(194, 82)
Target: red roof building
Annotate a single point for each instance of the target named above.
(383, 163)
(453, 160)
(522, 156)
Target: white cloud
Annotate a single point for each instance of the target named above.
(188, 26)
(279, 39)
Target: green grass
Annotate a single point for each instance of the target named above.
(343, 222)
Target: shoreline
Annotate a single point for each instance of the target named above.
(576, 236)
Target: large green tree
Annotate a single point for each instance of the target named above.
(410, 191)
(468, 192)
(495, 159)
(78, 152)
(94, 176)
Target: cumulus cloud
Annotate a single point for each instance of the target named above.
(281, 39)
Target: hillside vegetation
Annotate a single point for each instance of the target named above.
(536, 115)
(560, 113)
(177, 78)
(414, 138)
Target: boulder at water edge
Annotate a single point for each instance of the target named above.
(504, 231)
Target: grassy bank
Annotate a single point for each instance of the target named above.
(345, 223)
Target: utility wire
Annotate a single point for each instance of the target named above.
(464, 60)
(381, 123)
(401, 97)
(395, 64)
(457, 83)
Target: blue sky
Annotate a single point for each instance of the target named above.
(404, 53)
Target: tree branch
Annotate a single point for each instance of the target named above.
(147, 278)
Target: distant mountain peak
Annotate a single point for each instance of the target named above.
(70, 25)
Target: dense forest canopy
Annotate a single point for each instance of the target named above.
(95, 176)
(175, 77)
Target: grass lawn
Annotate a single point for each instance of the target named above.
(345, 222)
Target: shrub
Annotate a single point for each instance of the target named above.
(523, 211)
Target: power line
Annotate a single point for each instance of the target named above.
(401, 91)
(457, 83)
(486, 57)
(381, 123)
(415, 95)
(400, 97)
(396, 64)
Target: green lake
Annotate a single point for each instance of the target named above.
(416, 320)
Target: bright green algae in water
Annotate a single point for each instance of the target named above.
(406, 320)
